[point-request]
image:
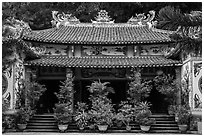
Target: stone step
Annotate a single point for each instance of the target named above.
(164, 128)
(42, 118)
(42, 127)
(42, 121)
(164, 119)
(165, 125)
(166, 122)
(41, 130)
(44, 115)
(161, 116)
(41, 124)
(164, 131)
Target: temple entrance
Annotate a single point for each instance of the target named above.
(48, 99)
(119, 86)
(159, 104)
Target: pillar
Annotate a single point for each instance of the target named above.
(69, 76)
(178, 79)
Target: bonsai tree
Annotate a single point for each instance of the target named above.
(81, 115)
(102, 111)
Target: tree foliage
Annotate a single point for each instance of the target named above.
(187, 27)
(38, 14)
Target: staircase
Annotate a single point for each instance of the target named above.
(164, 124)
(46, 123)
(42, 123)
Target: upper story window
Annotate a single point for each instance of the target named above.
(104, 50)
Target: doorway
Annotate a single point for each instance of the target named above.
(159, 104)
(47, 101)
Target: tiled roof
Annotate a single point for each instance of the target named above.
(87, 33)
(103, 62)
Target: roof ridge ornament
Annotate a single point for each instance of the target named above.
(63, 19)
(102, 17)
(142, 20)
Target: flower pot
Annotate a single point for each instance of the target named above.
(102, 127)
(145, 128)
(81, 128)
(128, 128)
(183, 127)
(22, 126)
(3, 129)
(62, 127)
(199, 127)
(92, 127)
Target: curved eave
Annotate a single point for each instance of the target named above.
(103, 62)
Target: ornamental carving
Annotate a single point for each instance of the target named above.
(102, 17)
(14, 29)
(197, 68)
(98, 73)
(19, 77)
(141, 19)
(63, 19)
(4, 84)
(104, 50)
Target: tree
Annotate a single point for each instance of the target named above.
(187, 27)
(38, 14)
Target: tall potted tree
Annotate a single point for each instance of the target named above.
(102, 110)
(64, 111)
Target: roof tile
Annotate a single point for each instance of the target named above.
(101, 34)
(103, 62)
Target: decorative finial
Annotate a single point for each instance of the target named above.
(102, 17)
(141, 19)
(63, 19)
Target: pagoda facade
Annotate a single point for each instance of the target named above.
(103, 50)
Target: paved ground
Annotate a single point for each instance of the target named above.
(50, 133)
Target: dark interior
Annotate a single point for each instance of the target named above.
(47, 101)
(159, 104)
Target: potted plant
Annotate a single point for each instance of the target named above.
(168, 86)
(125, 114)
(81, 117)
(102, 111)
(22, 118)
(62, 114)
(5, 106)
(144, 121)
(63, 110)
(143, 116)
(183, 118)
